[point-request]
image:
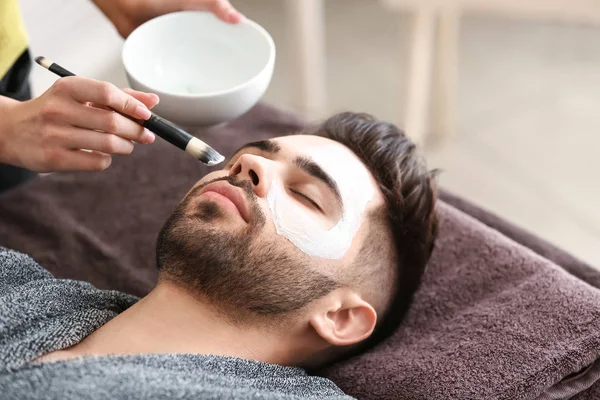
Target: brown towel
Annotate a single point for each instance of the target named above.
(559, 257)
(492, 320)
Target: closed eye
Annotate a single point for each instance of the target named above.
(311, 201)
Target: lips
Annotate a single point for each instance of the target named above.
(231, 193)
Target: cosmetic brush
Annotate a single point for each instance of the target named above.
(160, 126)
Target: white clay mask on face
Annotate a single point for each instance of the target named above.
(305, 231)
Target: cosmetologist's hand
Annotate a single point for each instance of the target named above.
(126, 15)
(68, 128)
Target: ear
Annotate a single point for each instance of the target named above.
(346, 318)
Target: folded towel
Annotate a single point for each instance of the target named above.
(547, 250)
(492, 320)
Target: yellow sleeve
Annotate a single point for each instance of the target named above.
(13, 38)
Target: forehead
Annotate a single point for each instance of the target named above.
(307, 145)
(335, 158)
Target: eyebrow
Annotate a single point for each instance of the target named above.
(268, 146)
(313, 169)
(304, 163)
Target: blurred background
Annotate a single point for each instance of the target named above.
(504, 98)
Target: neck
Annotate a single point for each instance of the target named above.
(169, 320)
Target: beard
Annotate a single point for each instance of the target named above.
(242, 273)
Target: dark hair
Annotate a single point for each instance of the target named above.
(410, 196)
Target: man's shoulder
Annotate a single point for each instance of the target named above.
(40, 314)
(17, 268)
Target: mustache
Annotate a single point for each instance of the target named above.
(257, 216)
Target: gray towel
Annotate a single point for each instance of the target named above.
(40, 314)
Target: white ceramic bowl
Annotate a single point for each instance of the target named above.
(205, 71)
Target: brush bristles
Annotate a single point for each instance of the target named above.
(203, 152)
(43, 61)
(213, 157)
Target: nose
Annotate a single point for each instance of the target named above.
(255, 169)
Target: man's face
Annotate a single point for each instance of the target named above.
(274, 229)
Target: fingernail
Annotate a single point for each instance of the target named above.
(142, 112)
(157, 98)
(148, 136)
(106, 162)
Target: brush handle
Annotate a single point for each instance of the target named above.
(60, 71)
(161, 127)
(168, 131)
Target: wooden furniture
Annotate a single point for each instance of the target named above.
(306, 31)
(433, 60)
